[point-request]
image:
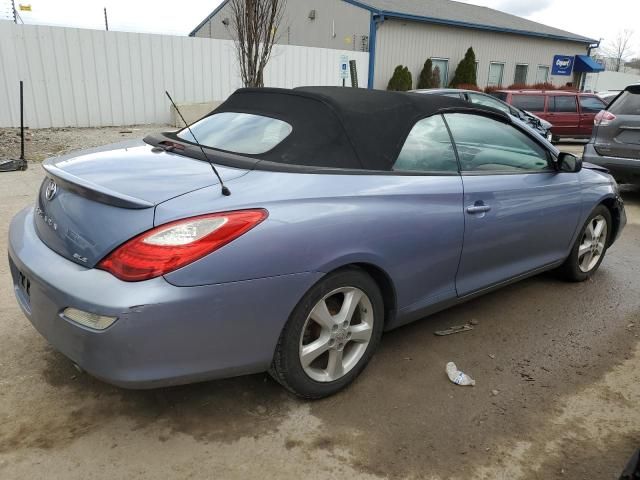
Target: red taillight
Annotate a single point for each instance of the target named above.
(603, 118)
(176, 244)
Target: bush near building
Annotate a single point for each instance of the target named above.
(401, 80)
(466, 71)
(426, 76)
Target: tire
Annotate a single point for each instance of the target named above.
(336, 352)
(576, 268)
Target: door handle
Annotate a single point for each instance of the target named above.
(478, 209)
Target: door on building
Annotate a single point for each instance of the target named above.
(542, 74)
(496, 73)
(514, 202)
(443, 67)
(520, 76)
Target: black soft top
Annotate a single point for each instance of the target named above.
(335, 127)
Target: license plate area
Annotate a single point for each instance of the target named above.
(25, 284)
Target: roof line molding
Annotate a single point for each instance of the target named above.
(458, 23)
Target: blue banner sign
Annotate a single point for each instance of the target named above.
(562, 65)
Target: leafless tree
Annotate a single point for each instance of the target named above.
(620, 48)
(254, 26)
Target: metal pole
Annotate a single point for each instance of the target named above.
(106, 20)
(21, 122)
(14, 11)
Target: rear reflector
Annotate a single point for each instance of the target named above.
(176, 244)
(603, 118)
(88, 319)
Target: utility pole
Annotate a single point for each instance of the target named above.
(106, 20)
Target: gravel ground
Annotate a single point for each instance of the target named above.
(47, 142)
(557, 367)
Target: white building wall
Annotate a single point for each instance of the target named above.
(599, 82)
(337, 24)
(91, 78)
(412, 43)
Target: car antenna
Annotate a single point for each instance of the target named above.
(225, 191)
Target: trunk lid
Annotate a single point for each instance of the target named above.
(92, 201)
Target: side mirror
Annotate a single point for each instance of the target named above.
(569, 163)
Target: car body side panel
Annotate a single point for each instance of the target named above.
(409, 226)
(597, 189)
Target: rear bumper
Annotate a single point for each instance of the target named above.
(164, 335)
(625, 170)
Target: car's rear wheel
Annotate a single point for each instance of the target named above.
(590, 246)
(331, 335)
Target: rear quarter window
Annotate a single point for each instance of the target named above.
(627, 104)
(532, 103)
(243, 133)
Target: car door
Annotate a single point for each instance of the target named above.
(520, 213)
(562, 112)
(589, 108)
(427, 163)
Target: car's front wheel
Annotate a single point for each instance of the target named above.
(590, 246)
(331, 335)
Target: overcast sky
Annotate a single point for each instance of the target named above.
(591, 18)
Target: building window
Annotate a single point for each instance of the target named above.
(542, 75)
(520, 76)
(496, 72)
(443, 66)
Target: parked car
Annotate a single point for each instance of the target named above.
(615, 143)
(607, 96)
(342, 214)
(541, 126)
(571, 114)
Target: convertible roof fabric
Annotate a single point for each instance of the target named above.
(336, 127)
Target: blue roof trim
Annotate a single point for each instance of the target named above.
(457, 23)
(362, 5)
(584, 63)
(211, 15)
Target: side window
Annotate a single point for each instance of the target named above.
(488, 101)
(627, 104)
(488, 145)
(591, 105)
(428, 148)
(532, 103)
(563, 104)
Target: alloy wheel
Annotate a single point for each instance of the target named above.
(593, 244)
(336, 334)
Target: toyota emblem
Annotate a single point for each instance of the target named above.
(51, 190)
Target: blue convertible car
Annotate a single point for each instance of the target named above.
(339, 213)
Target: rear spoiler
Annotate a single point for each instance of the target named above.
(92, 191)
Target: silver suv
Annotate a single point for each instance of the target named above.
(615, 142)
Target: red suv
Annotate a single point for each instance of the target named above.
(571, 114)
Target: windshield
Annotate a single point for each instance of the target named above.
(242, 133)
